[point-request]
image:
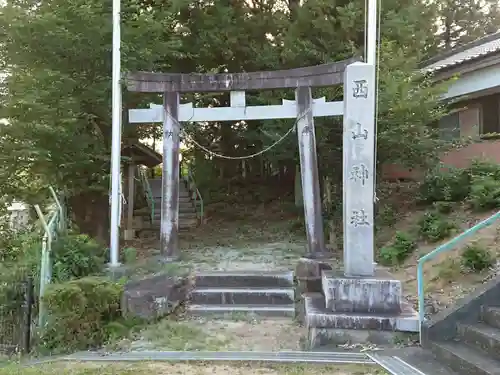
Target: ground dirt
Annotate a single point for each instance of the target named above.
(264, 237)
(86, 368)
(234, 333)
(446, 280)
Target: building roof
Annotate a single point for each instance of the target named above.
(477, 49)
(141, 154)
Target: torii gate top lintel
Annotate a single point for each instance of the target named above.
(312, 76)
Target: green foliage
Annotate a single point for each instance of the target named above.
(76, 255)
(130, 255)
(485, 193)
(483, 168)
(447, 184)
(404, 135)
(386, 216)
(81, 314)
(485, 187)
(56, 94)
(434, 226)
(443, 207)
(15, 247)
(478, 184)
(399, 250)
(477, 258)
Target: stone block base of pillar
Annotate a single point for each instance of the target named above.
(308, 274)
(378, 294)
(350, 310)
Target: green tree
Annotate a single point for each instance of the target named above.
(56, 96)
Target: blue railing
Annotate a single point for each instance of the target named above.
(442, 249)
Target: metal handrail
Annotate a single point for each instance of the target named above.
(52, 226)
(441, 249)
(147, 191)
(198, 200)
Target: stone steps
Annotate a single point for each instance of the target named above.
(225, 293)
(228, 311)
(187, 211)
(242, 296)
(465, 359)
(491, 316)
(254, 279)
(482, 336)
(475, 348)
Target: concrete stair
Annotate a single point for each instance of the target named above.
(475, 349)
(187, 211)
(260, 293)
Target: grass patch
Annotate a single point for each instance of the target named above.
(181, 335)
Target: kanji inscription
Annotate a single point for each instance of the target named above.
(359, 218)
(359, 132)
(170, 134)
(360, 89)
(359, 173)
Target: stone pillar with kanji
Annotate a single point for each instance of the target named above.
(359, 169)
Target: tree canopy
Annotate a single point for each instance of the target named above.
(56, 92)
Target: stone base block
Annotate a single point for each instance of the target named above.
(308, 273)
(378, 294)
(327, 328)
(129, 234)
(317, 315)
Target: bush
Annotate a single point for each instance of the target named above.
(402, 246)
(485, 193)
(482, 168)
(477, 258)
(75, 256)
(434, 227)
(447, 184)
(443, 207)
(81, 314)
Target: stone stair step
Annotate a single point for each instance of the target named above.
(245, 279)
(182, 215)
(242, 296)
(184, 223)
(482, 336)
(464, 359)
(491, 316)
(230, 311)
(184, 209)
(182, 199)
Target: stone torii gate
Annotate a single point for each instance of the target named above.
(358, 142)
